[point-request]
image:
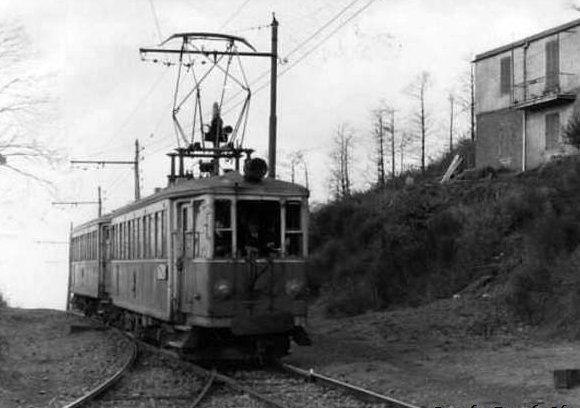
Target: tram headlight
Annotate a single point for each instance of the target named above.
(222, 289)
(294, 287)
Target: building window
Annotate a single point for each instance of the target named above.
(552, 130)
(552, 65)
(505, 83)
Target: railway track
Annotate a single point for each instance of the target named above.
(293, 387)
(107, 383)
(160, 378)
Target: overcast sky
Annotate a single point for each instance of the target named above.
(106, 97)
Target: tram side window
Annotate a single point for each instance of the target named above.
(118, 242)
(163, 235)
(294, 233)
(151, 236)
(198, 226)
(186, 231)
(223, 229)
(113, 242)
(144, 237)
(138, 254)
(159, 223)
(94, 245)
(122, 237)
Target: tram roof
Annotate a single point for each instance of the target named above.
(229, 183)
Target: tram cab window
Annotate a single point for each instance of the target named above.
(258, 229)
(223, 229)
(294, 234)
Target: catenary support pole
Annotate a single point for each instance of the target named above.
(273, 81)
(136, 168)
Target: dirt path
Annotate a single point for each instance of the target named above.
(430, 357)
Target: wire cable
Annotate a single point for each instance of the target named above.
(156, 20)
(131, 114)
(294, 50)
(234, 15)
(311, 50)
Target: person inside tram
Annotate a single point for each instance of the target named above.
(257, 239)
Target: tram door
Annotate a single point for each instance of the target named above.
(190, 224)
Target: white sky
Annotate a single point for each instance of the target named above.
(107, 97)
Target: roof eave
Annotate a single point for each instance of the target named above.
(519, 43)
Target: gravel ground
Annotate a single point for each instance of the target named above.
(439, 356)
(296, 392)
(432, 356)
(44, 364)
(153, 381)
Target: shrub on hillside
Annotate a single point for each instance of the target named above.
(352, 298)
(528, 291)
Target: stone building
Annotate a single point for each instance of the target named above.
(525, 92)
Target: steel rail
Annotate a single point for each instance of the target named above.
(254, 394)
(107, 383)
(205, 389)
(359, 392)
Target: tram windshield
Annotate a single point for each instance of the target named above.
(258, 229)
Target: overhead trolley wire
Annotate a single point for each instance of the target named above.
(145, 96)
(234, 14)
(314, 48)
(156, 20)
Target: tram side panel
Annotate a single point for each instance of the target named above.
(85, 269)
(139, 269)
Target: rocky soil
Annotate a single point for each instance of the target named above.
(45, 364)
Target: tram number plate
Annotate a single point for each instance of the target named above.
(162, 272)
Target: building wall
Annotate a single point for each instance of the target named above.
(491, 104)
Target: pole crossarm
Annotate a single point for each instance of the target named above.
(74, 202)
(206, 53)
(103, 162)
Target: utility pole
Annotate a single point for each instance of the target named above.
(134, 163)
(273, 83)
(137, 184)
(451, 123)
(381, 152)
(393, 143)
(472, 104)
(99, 202)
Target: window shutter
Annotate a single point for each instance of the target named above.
(505, 75)
(552, 65)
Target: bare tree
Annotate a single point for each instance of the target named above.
(341, 155)
(297, 159)
(24, 108)
(451, 109)
(418, 90)
(384, 136)
(406, 140)
(465, 100)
